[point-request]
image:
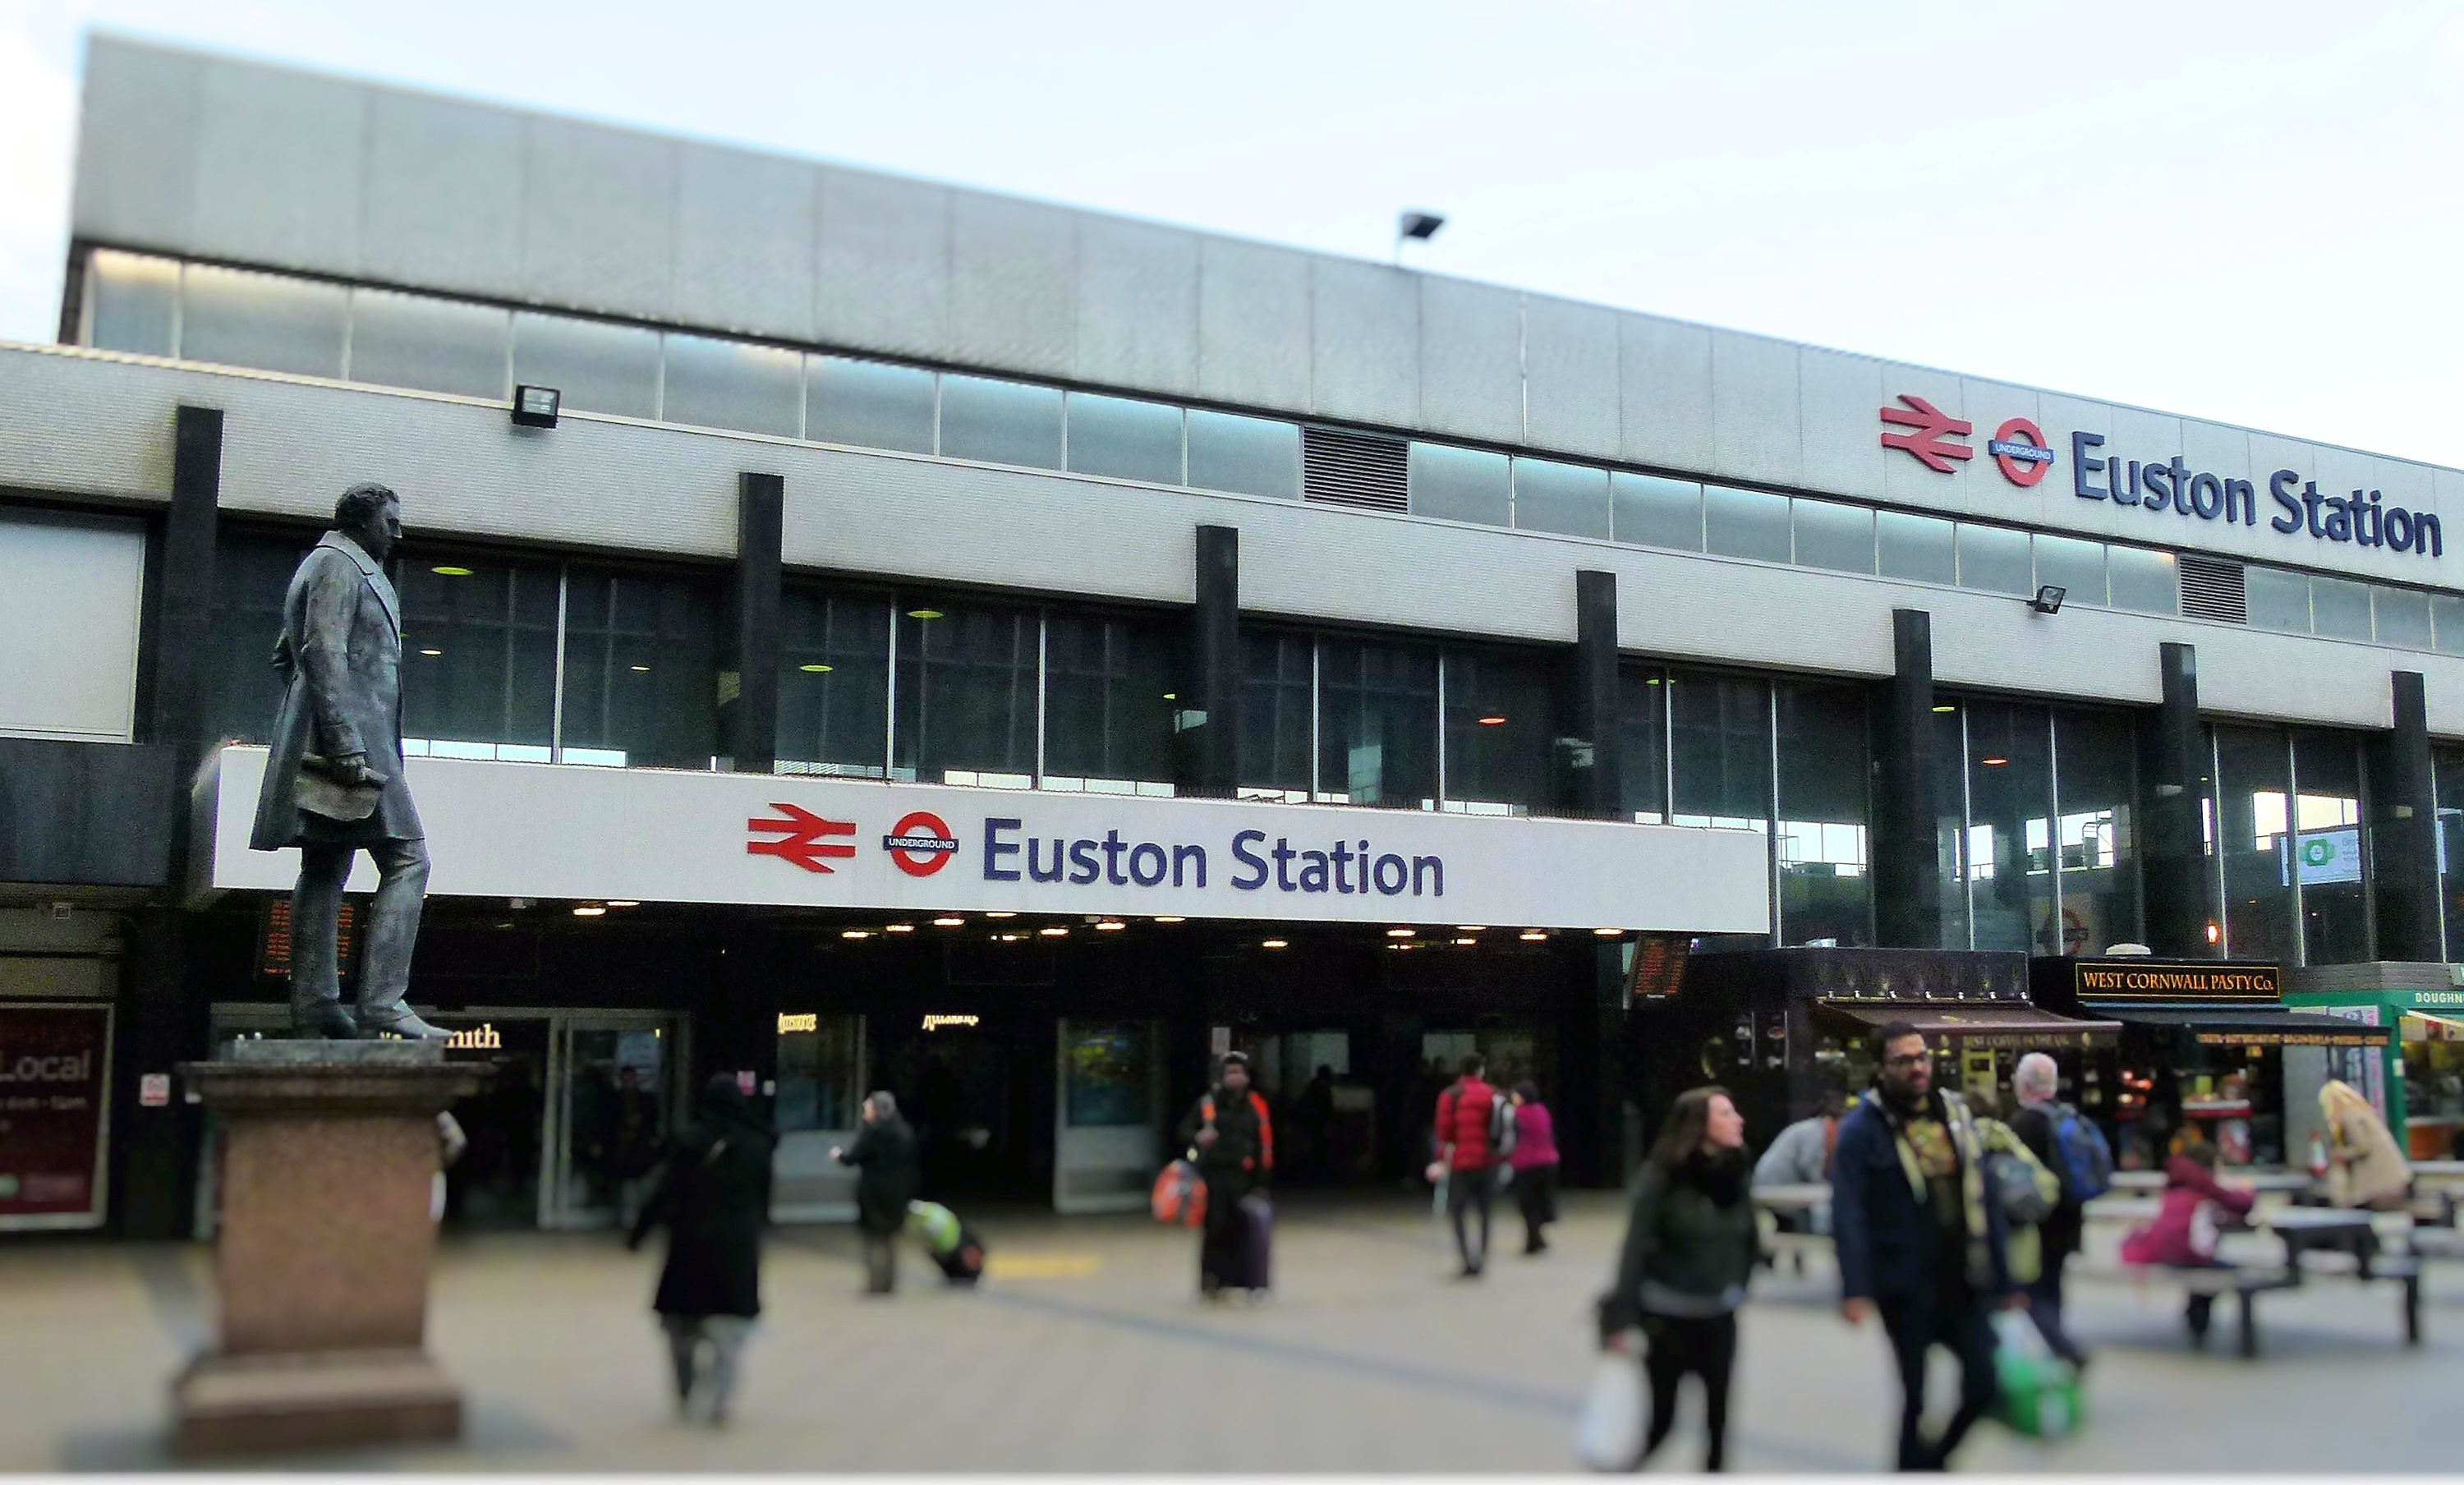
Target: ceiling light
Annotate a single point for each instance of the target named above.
(1608, 933)
(1010, 938)
(1169, 919)
(589, 910)
(1111, 925)
(1471, 927)
(431, 652)
(949, 922)
(1533, 935)
(642, 670)
(899, 928)
(1466, 942)
(855, 933)
(1492, 719)
(1398, 933)
(1275, 943)
(451, 572)
(1993, 762)
(1001, 914)
(814, 670)
(1054, 931)
(924, 614)
(622, 902)
(1946, 708)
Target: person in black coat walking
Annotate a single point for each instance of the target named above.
(1234, 1139)
(712, 1197)
(892, 1174)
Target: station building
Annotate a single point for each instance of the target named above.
(863, 633)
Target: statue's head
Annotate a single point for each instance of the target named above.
(370, 515)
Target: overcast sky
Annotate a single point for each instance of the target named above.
(2244, 210)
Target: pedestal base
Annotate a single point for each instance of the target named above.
(261, 1403)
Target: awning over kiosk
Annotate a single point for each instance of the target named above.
(2246, 1026)
(1981, 1025)
(2420, 1026)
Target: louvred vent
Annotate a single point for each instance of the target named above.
(1359, 470)
(2212, 589)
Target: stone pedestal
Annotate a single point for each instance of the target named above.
(329, 1156)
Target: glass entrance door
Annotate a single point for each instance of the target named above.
(1108, 1139)
(614, 1099)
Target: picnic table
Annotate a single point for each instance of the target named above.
(2263, 1182)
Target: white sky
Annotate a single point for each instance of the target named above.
(2245, 211)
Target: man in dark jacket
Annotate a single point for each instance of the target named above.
(712, 1197)
(1917, 1238)
(891, 1175)
(1234, 1139)
(2037, 1080)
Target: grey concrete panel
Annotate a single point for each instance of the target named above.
(1137, 305)
(1253, 324)
(1754, 432)
(88, 814)
(279, 161)
(137, 145)
(1664, 392)
(1013, 284)
(442, 203)
(1471, 360)
(1839, 393)
(1569, 377)
(744, 242)
(1364, 342)
(599, 214)
(881, 280)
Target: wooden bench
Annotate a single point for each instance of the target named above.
(2245, 1283)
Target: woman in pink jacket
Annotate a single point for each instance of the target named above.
(1534, 1163)
(2188, 1225)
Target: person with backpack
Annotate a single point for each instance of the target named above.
(1231, 1138)
(1473, 1133)
(2068, 1144)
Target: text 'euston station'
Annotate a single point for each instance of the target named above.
(2360, 519)
(1346, 867)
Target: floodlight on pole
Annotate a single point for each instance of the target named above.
(1415, 227)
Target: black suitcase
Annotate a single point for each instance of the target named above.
(964, 1264)
(1258, 1242)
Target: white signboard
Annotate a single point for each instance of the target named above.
(2328, 856)
(547, 830)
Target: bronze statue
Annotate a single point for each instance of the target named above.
(334, 783)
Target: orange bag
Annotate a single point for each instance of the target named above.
(1180, 1195)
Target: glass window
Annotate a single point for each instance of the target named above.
(1837, 536)
(2278, 599)
(1246, 456)
(868, 403)
(2402, 616)
(2446, 772)
(1566, 498)
(1995, 559)
(437, 346)
(1277, 709)
(1745, 523)
(1000, 422)
(833, 684)
(1459, 484)
(1825, 891)
(597, 367)
(478, 657)
(729, 384)
(966, 694)
(133, 302)
(261, 321)
(2144, 582)
(641, 670)
(2009, 819)
(1650, 511)
(1124, 439)
(1916, 547)
(1501, 730)
(2339, 610)
(1720, 747)
(2446, 622)
(2328, 847)
(2075, 567)
(2095, 755)
(1950, 818)
(1111, 688)
(251, 575)
(1377, 724)
(2254, 824)
(821, 1060)
(1642, 745)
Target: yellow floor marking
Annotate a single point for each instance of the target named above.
(1043, 1265)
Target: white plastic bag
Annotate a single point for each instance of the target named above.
(1608, 1435)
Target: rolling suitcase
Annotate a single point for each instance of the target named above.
(1258, 1242)
(964, 1262)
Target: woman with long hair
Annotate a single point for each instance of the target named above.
(1690, 1246)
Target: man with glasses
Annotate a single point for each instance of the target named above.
(1917, 1238)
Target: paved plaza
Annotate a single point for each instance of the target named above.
(1085, 1352)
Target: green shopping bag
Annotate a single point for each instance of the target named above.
(2040, 1390)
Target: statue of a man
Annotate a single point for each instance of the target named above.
(334, 783)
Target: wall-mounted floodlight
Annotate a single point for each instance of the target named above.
(2049, 599)
(535, 407)
(1415, 227)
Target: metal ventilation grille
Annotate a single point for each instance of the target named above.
(1357, 470)
(2212, 589)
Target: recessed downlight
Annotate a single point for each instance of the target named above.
(1400, 933)
(589, 910)
(1533, 935)
(1275, 943)
(814, 669)
(924, 614)
(451, 571)
(855, 933)
(949, 922)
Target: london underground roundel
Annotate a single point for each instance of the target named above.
(920, 844)
(2018, 447)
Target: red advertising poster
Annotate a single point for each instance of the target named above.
(55, 1086)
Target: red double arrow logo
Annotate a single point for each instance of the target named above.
(1934, 429)
(800, 832)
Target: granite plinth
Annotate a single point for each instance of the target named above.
(329, 1155)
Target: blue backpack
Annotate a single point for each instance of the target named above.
(2081, 1156)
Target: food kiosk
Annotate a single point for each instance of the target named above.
(2417, 1078)
(1783, 1029)
(2202, 1054)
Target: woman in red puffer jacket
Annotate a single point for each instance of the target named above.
(2188, 1225)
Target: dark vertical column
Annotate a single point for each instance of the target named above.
(751, 720)
(161, 1021)
(1592, 777)
(1212, 738)
(2404, 830)
(1907, 886)
(1589, 783)
(2176, 881)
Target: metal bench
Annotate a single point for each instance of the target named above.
(2245, 1283)
(2405, 1270)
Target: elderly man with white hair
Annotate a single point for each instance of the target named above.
(2054, 1131)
